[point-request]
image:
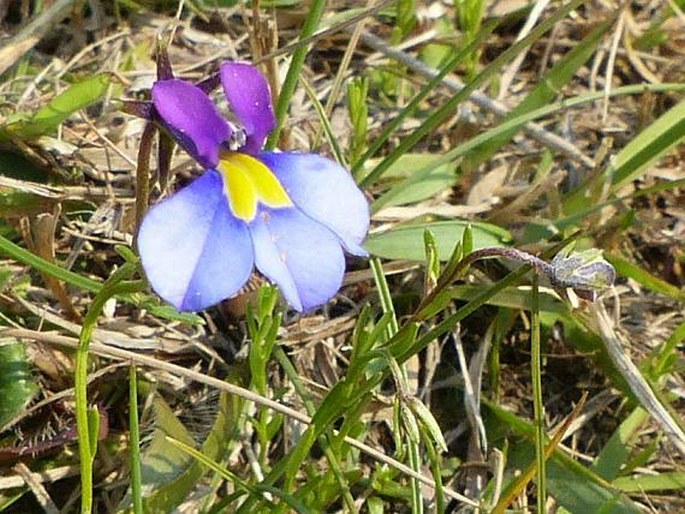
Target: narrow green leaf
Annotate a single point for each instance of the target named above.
(644, 483)
(440, 178)
(17, 387)
(76, 97)
(406, 242)
(627, 269)
(429, 422)
(618, 448)
(467, 239)
(93, 430)
(648, 146)
(432, 260)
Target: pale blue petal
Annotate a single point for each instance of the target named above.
(324, 191)
(301, 256)
(194, 252)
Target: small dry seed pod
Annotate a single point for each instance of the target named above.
(587, 273)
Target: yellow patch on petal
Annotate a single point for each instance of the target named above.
(248, 181)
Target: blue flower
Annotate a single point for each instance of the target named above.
(288, 214)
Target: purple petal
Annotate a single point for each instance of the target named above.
(248, 94)
(301, 256)
(191, 118)
(324, 191)
(194, 252)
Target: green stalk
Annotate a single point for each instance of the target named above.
(87, 438)
(134, 441)
(385, 296)
(310, 25)
(538, 406)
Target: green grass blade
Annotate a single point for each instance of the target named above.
(17, 386)
(24, 256)
(645, 148)
(549, 86)
(48, 118)
(448, 109)
(616, 451)
(396, 122)
(309, 26)
(674, 481)
(627, 269)
(666, 132)
(509, 125)
(134, 442)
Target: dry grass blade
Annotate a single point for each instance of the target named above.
(51, 475)
(19, 45)
(632, 375)
(37, 488)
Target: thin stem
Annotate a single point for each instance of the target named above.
(538, 406)
(112, 287)
(540, 266)
(134, 441)
(143, 173)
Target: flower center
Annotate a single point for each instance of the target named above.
(248, 181)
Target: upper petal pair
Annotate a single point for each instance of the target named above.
(189, 114)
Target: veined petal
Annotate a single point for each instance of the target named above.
(191, 118)
(194, 252)
(301, 256)
(248, 94)
(324, 191)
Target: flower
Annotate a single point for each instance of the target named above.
(288, 214)
(587, 273)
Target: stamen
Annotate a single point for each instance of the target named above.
(237, 140)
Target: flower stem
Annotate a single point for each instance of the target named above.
(143, 173)
(87, 438)
(540, 266)
(538, 406)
